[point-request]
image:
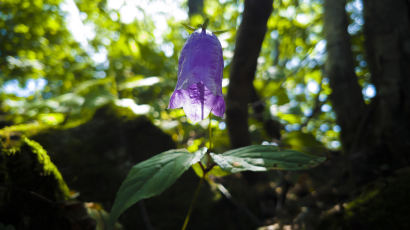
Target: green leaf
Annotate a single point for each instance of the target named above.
(218, 32)
(263, 158)
(151, 177)
(188, 27)
(216, 171)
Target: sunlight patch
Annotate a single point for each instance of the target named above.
(129, 103)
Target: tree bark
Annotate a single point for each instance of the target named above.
(195, 7)
(377, 137)
(346, 96)
(248, 45)
(387, 43)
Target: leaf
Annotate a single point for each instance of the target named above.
(151, 177)
(216, 171)
(218, 32)
(188, 27)
(263, 158)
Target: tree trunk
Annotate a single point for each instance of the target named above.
(195, 7)
(387, 43)
(248, 45)
(376, 137)
(346, 96)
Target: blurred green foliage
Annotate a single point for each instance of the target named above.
(138, 60)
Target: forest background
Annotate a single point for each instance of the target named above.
(90, 81)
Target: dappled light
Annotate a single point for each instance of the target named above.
(204, 114)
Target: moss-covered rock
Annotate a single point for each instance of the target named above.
(26, 166)
(32, 189)
(383, 204)
(95, 156)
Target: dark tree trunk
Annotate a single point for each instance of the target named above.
(377, 136)
(248, 45)
(387, 43)
(346, 96)
(195, 7)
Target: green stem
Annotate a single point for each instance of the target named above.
(191, 207)
(210, 132)
(205, 169)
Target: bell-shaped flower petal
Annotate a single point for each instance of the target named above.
(200, 69)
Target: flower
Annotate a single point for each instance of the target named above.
(199, 85)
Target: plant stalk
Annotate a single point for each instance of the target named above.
(205, 169)
(191, 207)
(210, 132)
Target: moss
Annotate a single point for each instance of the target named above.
(386, 206)
(383, 204)
(28, 129)
(30, 186)
(27, 166)
(49, 169)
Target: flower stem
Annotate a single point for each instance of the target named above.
(205, 169)
(210, 132)
(191, 207)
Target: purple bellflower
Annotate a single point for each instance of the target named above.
(199, 85)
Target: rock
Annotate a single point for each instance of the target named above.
(27, 166)
(33, 194)
(95, 156)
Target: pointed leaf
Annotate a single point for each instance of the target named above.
(263, 158)
(188, 27)
(218, 32)
(151, 177)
